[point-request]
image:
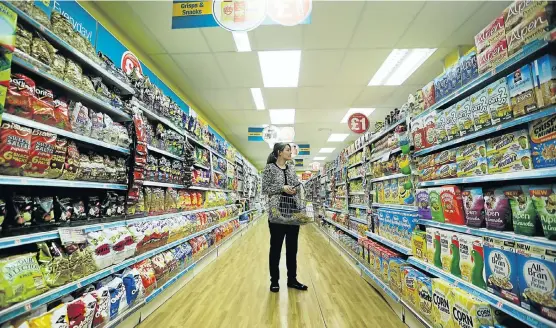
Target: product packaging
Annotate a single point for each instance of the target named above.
(542, 133)
(522, 91)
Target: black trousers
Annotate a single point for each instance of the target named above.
(277, 234)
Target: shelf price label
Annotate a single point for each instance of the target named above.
(358, 123)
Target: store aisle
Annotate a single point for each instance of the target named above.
(233, 291)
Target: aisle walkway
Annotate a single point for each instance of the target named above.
(233, 291)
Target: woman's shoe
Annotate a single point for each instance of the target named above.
(274, 287)
(297, 285)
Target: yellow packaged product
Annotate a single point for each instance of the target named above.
(430, 243)
(57, 317)
(379, 187)
(445, 254)
(419, 244)
(395, 269)
(409, 286)
(424, 293)
(468, 311)
(441, 306)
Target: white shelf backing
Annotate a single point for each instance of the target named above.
(378, 156)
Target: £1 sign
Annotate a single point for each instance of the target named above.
(358, 123)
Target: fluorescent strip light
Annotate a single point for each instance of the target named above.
(337, 137)
(242, 41)
(282, 116)
(399, 65)
(326, 150)
(351, 111)
(319, 158)
(257, 98)
(280, 69)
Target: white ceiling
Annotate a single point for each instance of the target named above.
(342, 48)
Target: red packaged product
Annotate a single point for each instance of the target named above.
(43, 107)
(42, 149)
(429, 98)
(429, 127)
(61, 114)
(146, 271)
(491, 34)
(199, 199)
(492, 56)
(20, 96)
(15, 143)
(452, 204)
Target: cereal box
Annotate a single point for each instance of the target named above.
(429, 98)
(491, 34)
(499, 104)
(524, 215)
(522, 93)
(424, 291)
(375, 260)
(501, 270)
(514, 141)
(425, 161)
(386, 256)
(469, 311)
(418, 133)
(520, 10)
(437, 212)
(445, 249)
(454, 77)
(430, 129)
(429, 238)
(537, 279)
(544, 200)
(451, 125)
(409, 286)
(445, 157)
(466, 123)
(428, 173)
(497, 210)
(423, 207)
(472, 150)
(471, 260)
(452, 204)
(446, 171)
(441, 306)
(472, 167)
(408, 222)
(379, 187)
(544, 73)
(440, 124)
(479, 107)
(419, 244)
(469, 70)
(474, 207)
(510, 161)
(543, 142)
(395, 270)
(440, 86)
(492, 56)
(530, 29)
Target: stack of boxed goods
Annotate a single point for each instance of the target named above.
(396, 225)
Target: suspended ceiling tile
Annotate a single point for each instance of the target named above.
(430, 69)
(246, 117)
(436, 22)
(280, 97)
(327, 97)
(319, 116)
(202, 69)
(219, 39)
(373, 96)
(359, 66)
(383, 23)
(400, 94)
(320, 67)
(332, 24)
(229, 99)
(241, 69)
(275, 37)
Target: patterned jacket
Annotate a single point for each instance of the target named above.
(273, 181)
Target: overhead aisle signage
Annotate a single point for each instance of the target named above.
(255, 134)
(304, 149)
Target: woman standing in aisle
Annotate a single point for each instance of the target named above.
(279, 182)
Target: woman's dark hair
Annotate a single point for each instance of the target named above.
(278, 147)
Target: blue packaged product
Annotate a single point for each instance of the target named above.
(396, 227)
(501, 269)
(130, 286)
(440, 87)
(407, 225)
(454, 78)
(118, 300)
(469, 69)
(522, 94)
(537, 279)
(542, 133)
(544, 74)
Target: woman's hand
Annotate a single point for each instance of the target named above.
(289, 190)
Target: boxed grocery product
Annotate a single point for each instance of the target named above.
(472, 150)
(409, 290)
(431, 244)
(418, 133)
(437, 212)
(469, 311)
(544, 200)
(426, 161)
(534, 27)
(543, 142)
(430, 129)
(445, 157)
(396, 267)
(376, 255)
(491, 34)
(479, 107)
(499, 104)
(537, 277)
(471, 259)
(423, 207)
(451, 126)
(520, 10)
(473, 206)
(469, 70)
(424, 291)
(472, 167)
(545, 79)
(446, 249)
(441, 86)
(524, 215)
(446, 171)
(522, 91)
(501, 270)
(15, 145)
(492, 56)
(466, 123)
(452, 204)
(440, 124)
(419, 244)
(429, 95)
(441, 303)
(428, 173)
(386, 256)
(497, 209)
(379, 187)
(514, 141)
(510, 161)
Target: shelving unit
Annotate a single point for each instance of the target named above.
(388, 177)
(41, 182)
(402, 249)
(341, 227)
(395, 206)
(520, 175)
(163, 152)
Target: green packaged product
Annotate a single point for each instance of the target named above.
(524, 215)
(544, 199)
(20, 279)
(54, 264)
(437, 212)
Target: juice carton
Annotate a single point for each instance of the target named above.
(471, 260)
(522, 93)
(479, 106)
(499, 103)
(501, 270)
(544, 74)
(441, 133)
(419, 244)
(409, 286)
(431, 244)
(469, 311)
(466, 123)
(474, 207)
(430, 129)
(395, 269)
(452, 204)
(472, 150)
(423, 207)
(544, 200)
(437, 212)
(543, 142)
(537, 279)
(424, 290)
(451, 125)
(515, 141)
(441, 306)
(445, 249)
(524, 215)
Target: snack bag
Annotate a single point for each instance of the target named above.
(81, 311)
(15, 144)
(497, 210)
(55, 318)
(102, 248)
(102, 309)
(441, 305)
(80, 120)
(118, 300)
(20, 278)
(524, 215)
(501, 270)
(54, 264)
(468, 311)
(43, 107)
(42, 149)
(147, 274)
(20, 96)
(544, 200)
(133, 285)
(473, 205)
(58, 160)
(72, 164)
(471, 260)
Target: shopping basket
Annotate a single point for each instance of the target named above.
(294, 209)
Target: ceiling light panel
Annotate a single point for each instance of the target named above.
(282, 116)
(337, 137)
(319, 158)
(351, 111)
(399, 65)
(280, 69)
(257, 98)
(327, 150)
(242, 41)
